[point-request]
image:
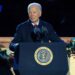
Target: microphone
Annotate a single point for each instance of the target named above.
(44, 31)
(38, 34)
(37, 30)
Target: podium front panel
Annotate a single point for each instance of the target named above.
(28, 65)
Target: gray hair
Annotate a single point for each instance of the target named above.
(34, 4)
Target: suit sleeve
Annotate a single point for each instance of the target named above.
(53, 35)
(17, 39)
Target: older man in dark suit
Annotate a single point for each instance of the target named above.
(34, 29)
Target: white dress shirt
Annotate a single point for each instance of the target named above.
(37, 23)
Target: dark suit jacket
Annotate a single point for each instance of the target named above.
(23, 33)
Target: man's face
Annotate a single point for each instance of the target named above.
(34, 14)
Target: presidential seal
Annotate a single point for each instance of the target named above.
(43, 56)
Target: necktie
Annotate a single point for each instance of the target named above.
(35, 26)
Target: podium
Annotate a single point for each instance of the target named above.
(28, 64)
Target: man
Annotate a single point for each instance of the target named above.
(34, 29)
(24, 30)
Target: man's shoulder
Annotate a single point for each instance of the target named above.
(46, 23)
(23, 24)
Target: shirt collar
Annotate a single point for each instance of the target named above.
(37, 23)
